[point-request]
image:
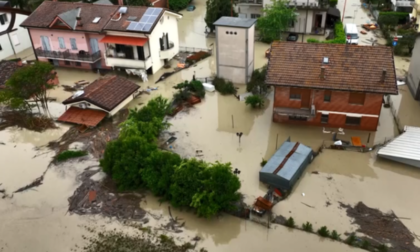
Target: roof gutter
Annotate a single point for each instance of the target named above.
(334, 89)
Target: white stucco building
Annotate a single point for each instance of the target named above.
(141, 38)
(16, 41)
(235, 48)
(311, 17)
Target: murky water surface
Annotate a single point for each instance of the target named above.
(37, 220)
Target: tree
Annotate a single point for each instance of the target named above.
(186, 181)
(158, 107)
(217, 9)
(218, 191)
(408, 39)
(177, 5)
(255, 101)
(30, 82)
(257, 83)
(157, 176)
(276, 18)
(124, 159)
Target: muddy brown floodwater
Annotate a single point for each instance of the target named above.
(37, 220)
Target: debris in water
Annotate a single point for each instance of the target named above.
(307, 205)
(315, 172)
(171, 140)
(2, 143)
(327, 204)
(385, 228)
(329, 178)
(35, 183)
(92, 196)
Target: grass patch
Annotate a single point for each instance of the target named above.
(70, 154)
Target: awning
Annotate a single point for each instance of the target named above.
(88, 117)
(334, 12)
(124, 40)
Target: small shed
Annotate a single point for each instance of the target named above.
(286, 165)
(405, 148)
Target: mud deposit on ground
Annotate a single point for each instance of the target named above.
(382, 227)
(94, 139)
(100, 197)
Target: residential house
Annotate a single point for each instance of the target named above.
(235, 48)
(103, 97)
(15, 41)
(413, 75)
(7, 68)
(103, 36)
(141, 37)
(311, 16)
(330, 85)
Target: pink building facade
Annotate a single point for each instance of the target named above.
(69, 48)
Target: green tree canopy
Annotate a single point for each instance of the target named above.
(277, 18)
(217, 9)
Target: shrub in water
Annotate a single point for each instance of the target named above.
(290, 222)
(350, 241)
(324, 232)
(365, 245)
(255, 101)
(263, 162)
(382, 248)
(335, 235)
(307, 226)
(223, 86)
(70, 154)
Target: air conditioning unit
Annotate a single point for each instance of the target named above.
(82, 105)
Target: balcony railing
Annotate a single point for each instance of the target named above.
(169, 52)
(67, 55)
(404, 3)
(310, 112)
(259, 2)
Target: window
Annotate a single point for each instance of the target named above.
(255, 16)
(67, 63)
(294, 94)
(292, 24)
(3, 18)
(1, 48)
(353, 120)
(78, 64)
(298, 118)
(327, 96)
(357, 98)
(61, 43)
(73, 44)
(324, 118)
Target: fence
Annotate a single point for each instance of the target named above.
(195, 49)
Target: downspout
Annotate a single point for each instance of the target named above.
(306, 19)
(246, 56)
(12, 45)
(150, 52)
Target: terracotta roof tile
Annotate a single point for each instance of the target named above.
(350, 67)
(7, 68)
(88, 117)
(47, 12)
(106, 93)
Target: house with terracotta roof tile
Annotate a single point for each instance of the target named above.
(330, 85)
(103, 97)
(103, 36)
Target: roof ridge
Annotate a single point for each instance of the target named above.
(106, 81)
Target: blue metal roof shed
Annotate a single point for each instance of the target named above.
(286, 165)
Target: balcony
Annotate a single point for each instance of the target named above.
(169, 52)
(250, 2)
(296, 111)
(128, 63)
(82, 56)
(404, 3)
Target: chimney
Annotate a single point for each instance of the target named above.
(120, 2)
(383, 75)
(78, 18)
(322, 73)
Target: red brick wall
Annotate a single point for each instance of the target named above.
(160, 3)
(339, 103)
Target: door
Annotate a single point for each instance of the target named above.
(305, 100)
(318, 20)
(94, 46)
(55, 63)
(45, 43)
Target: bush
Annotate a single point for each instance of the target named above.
(290, 222)
(223, 86)
(311, 40)
(335, 235)
(177, 5)
(340, 35)
(365, 245)
(324, 232)
(255, 101)
(70, 154)
(351, 239)
(257, 83)
(307, 227)
(263, 162)
(400, 17)
(333, 3)
(382, 248)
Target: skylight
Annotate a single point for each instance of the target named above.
(96, 20)
(325, 60)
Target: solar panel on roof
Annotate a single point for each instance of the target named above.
(132, 26)
(156, 11)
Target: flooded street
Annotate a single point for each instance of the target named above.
(38, 220)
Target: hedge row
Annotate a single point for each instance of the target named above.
(402, 16)
(340, 36)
